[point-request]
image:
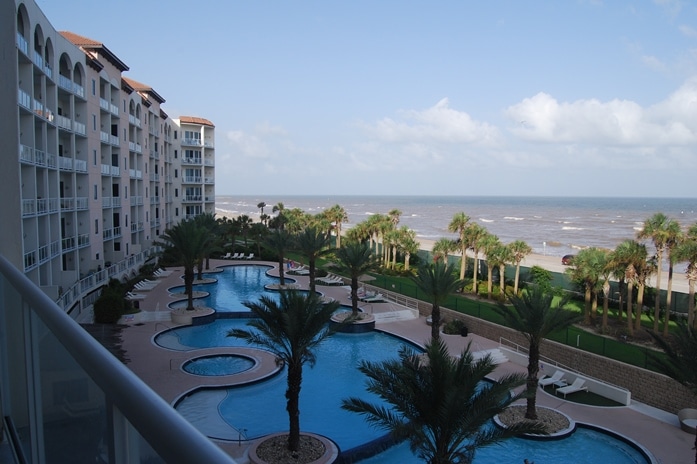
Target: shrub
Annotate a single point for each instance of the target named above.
(455, 327)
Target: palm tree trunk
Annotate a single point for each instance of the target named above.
(295, 375)
(490, 282)
(639, 306)
(691, 303)
(657, 308)
(354, 296)
(474, 275)
(533, 371)
(502, 280)
(606, 304)
(630, 310)
(587, 306)
(435, 322)
(517, 277)
(669, 299)
(189, 288)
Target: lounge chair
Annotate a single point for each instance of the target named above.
(377, 298)
(237, 256)
(227, 256)
(558, 376)
(574, 387)
(162, 273)
(135, 296)
(249, 256)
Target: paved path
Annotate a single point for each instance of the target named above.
(657, 431)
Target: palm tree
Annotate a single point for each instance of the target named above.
(245, 223)
(261, 205)
(394, 215)
(587, 271)
(207, 221)
(459, 224)
(187, 241)
(441, 248)
(291, 329)
(392, 243)
(490, 245)
(356, 259)
(520, 250)
(687, 251)
(628, 255)
(259, 231)
(278, 242)
(437, 281)
(675, 237)
(663, 233)
(279, 221)
(408, 244)
(644, 267)
(312, 243)
(681, 361)
(438, 403)
(476, 236)
(498, 257)
(337, 215)
(535, 318)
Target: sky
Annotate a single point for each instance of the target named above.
(503, 97)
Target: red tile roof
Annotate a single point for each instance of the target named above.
(143, 89)
(88, 44)
(195, 120)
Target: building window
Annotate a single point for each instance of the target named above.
(94, 122)
(94, 87)
(175, 135)
(175, 154)
(125, 192)
(96, 197)
(94, 156)
(176, 212)
(176, 173)
(96, 229)
(176, 193)
(117, 246)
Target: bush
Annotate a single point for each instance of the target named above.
(455, 327)
(111, 305)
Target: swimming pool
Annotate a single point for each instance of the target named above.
(259, 409)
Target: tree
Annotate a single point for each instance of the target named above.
(245, 223)
(441, 248)
(187, 241)
(291, 329)
(664, 233)
(476, 236)
(587, 271)
(520, 250)
(207, 221)
(356, 259)
(439, 404)
(492, 247)
(261, 205)
(437, 281)
(459, 225)
(687, 252)
(279, 221)
(279, 242)
(535, 318)
(407, 244)
(628, 255)
(312, 243)
(681, 361)
(337, 215)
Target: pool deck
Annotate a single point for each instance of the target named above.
(657, 431)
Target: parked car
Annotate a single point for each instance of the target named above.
(567, 260)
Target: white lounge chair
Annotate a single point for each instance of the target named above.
(227, 256)
(574, 387)
(162, 273)
(135, 296)
(558, 376)
(377, 298)
(236, 256)
(249, 256)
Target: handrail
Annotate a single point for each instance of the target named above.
(167, 432)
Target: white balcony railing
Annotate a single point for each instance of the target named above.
(24, 99)
(22, 43)
(79, 128)
(103, 104)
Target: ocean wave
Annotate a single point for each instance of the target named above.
(572, 228)
(513, 218)
(486, 220)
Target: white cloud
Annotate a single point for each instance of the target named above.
(438, 124)
(687, 31)
(247, 145)
(672, 122)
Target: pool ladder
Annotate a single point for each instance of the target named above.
(241, 433)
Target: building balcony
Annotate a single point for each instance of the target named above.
(24, 99)
(196, 161)
(193, 198)
(103, 104)
(22, 44)
(67, 381)
(192, 179)
(191, 142)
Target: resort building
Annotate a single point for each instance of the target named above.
(93, 171)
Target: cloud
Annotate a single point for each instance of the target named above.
(438, 124)
(247, 145)
(687, 31)
(671, 122)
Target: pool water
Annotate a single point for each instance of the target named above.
(235, 285)
(259, 409)
(224, 364)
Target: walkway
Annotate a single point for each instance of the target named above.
(659, 432)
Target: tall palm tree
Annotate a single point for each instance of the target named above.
(499, 257)
(312, 243)
(279, 221)
(187, 241)
(520, 250)
(476, 236)
(534, 316)
(491, 245)
(392, 243)
(208, 222)
(459, 224)
(245, 223)
(261, 205)
(644, 267)
(438, 403)
(291, 329)
(687, 252)
(675, 237)
(356, 259)
(437, 281)
(337, 215)
(407, 244)
(661, 231)
(279, 241)
(394, 215)
(681, 361)
(628, 255)
(586, 270)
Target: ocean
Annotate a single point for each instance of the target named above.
(552, 226)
